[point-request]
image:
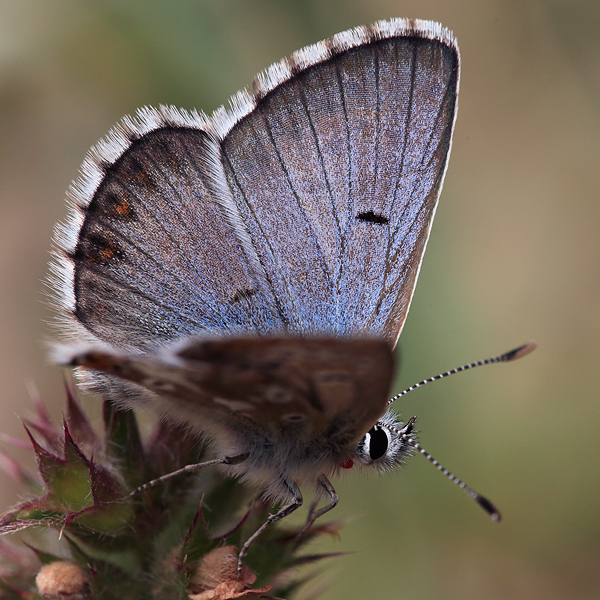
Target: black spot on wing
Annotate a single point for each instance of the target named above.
(371, 217)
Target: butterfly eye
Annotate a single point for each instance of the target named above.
(378, 442)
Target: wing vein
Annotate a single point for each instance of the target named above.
(267, 243)
(349, 200)
(320, 156)
(387, 268)
(301, 208)
(137, 292)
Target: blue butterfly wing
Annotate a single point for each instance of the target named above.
(305, 208)
(336, 171)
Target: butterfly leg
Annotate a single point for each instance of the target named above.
(281, 514)
(226, 460)
(313, 515)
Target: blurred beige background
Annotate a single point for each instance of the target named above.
(514, 256)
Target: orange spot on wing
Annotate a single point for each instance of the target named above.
(123, 209)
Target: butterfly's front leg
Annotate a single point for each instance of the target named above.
(313, 515)
(281, 514)
(226, 460)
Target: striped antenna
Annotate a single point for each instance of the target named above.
(506, 357)
(486, 504)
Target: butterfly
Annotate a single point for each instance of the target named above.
(248, 274)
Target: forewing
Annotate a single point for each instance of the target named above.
(336, 164)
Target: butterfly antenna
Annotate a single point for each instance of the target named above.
(506, 357)
(486, 504)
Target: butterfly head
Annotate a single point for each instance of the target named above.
(387, 444)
